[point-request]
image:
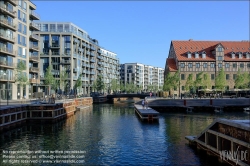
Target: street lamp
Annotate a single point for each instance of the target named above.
(6, 74)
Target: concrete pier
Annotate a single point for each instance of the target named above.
(146, 114)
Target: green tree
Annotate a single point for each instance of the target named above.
(114, 85)
(94, 86)
(242, 80)
(199, 80)
(220, 80)
(78, 83)
(100, 83)
(206, 81)
(63, 78)
(167, 83)
(172, 81)
(49, 79)
(21, 77)
(122, 87)
(189, 83)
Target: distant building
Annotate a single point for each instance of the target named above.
(208, 56)
(141, 75)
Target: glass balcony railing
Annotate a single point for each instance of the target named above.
(35, 15)
(8, 10)
(6, 63)
(8, 23)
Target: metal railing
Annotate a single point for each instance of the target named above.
(35, 14)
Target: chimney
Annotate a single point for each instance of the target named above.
(190, 40)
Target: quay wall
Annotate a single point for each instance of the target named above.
(13, 115)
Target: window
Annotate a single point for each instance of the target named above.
(24, 6)
(19, 27)
(220, 58)
(24, 29)
(196, 55)
(19, 39)
(189, 55)
(212, 65)
(234, 76)
(203, 54)
(190, 65)
(204, 65)
(240, 55)
(20, 51)
(227, 65)
(242, 65)
(234, 65)
(20, 3)
(248, 65)
(182, 65)
(19, 15)
(182, 76)
(197, 65)
(220, 49)
(233, 55)
(24, 17)
(212, 76)
(182, 88)
(227, 76)
(219, 65)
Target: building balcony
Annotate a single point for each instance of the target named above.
(34, 69)
(8, 38)
(55, 53)
(6, 64)
(83, 65)
(66, 54)
(99, 51)
(7, 24)
(34, 15)
(34, 58)
(55, 46)
(34, 37)
(76, 41)
(13, 2)
(92, 60)
(6, 11)
(66, 62)
(34, 47)
(99, 68)
(99, 63)
(34, 81)
(92, 66)
(87, 65)
(92, 54)
(92, 48)
(87, 46)
(83, 44)
(88, 53)
(75, 70)
(7, 51)
(80, 49)
(34, 26)
(92, 78)
(6, 78)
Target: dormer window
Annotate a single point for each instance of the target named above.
(196, 54)
(232, 55)
(248, 55)
(240, 55)
(189, 54)
(203, 54)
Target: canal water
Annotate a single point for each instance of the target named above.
(113, 135)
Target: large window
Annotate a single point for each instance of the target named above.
(190, 65)
(182, 65)
(204, 65)
(227, 65)
(234, 76)
(182, 76)
(197, 65)
(212, 65)
(227, 76)
(219, 65)
(220, 58)
(234, 65)
(242, 65)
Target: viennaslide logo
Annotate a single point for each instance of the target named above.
(235, 156)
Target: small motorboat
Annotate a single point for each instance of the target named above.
(218, 110)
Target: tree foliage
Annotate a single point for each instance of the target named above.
(199, 80)
(100, 83)
(206, 81)
(63, 78)
(189, 83)
(21, 77)
(242, 80)
(220, 80)
(171, 81)
(49, 78)
(78, 82)
(114, 85)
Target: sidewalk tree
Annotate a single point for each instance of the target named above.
(189, 83)
(78, 83)
(199, 80)
(63, 78)
(114, 85)
(94, 86)
(167, 83)
(242, 80)
(20, 77)
(49, 79)
(220, 80)
(100, 83)
(171, 82)
(206, 84)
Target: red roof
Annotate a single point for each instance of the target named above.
(182, 47)
(171, 64)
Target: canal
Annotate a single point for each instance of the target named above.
(107, 134)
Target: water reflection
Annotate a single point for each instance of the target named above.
(113, 135)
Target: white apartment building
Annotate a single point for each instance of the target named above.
(141, 75)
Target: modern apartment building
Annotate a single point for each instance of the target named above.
(209, 57)
(141, 75)
(18, 43)
(110, 67)
(66, 46)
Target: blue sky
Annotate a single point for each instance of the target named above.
(142, 31)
